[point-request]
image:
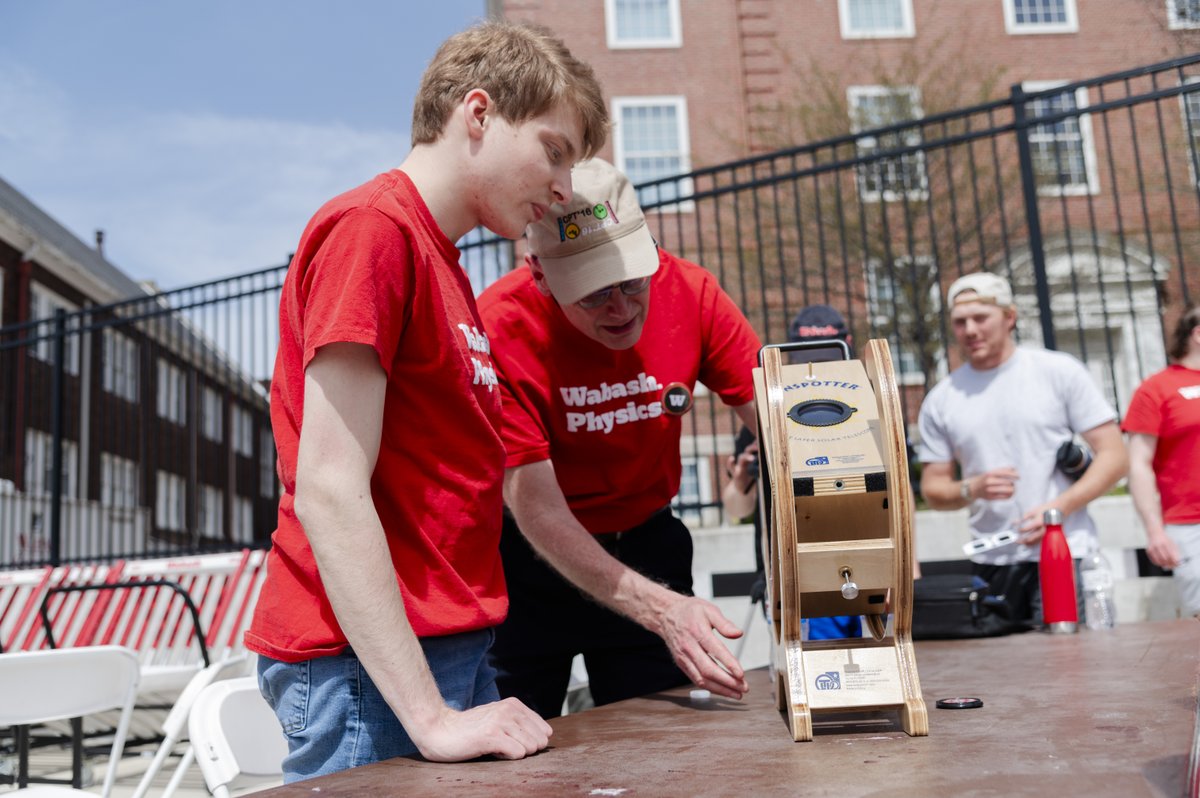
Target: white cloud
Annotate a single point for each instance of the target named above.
(183, 197)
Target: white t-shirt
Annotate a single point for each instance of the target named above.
(1017, 415)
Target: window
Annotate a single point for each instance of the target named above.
(118, 481)
(873, 107)
(1040, 16)
(642, 23)
(172, 393)
(211, 519)
(695, 487)
(120, 376)
(651, 142)
(243, 520)
(39, 463)
(243, 431)
(170, 494)
(1064, 158)
(1183, 14)
(1191, 127)
(876, 19)
(266, 464)
(43, 305)
(905, 305)
(211, 415)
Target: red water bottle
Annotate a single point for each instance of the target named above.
(1057, 575)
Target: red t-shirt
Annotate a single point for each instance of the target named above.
(1167, 405)
(597, 413)
(374, 268)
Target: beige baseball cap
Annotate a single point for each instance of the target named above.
(597, 239)
(987, 287)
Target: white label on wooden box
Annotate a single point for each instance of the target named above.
(860, 677)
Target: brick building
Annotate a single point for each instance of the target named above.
(695, 83)
(749, 96)
(165, 441)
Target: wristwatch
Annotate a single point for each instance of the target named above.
(964, 490)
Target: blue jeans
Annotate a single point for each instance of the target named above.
(835, 627)
(334, 718)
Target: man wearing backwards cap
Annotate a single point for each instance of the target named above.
(587, 343)
(1002, 416)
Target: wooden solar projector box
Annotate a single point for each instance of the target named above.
(837, 506)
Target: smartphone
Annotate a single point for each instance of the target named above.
(817, 351)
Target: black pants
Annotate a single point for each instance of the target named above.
(550, 621)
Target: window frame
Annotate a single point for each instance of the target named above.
(880, 313)
(118, 481)
(1173, 21)
(268, 474)
(170, 501)
(242, 519)
(121, 366)
(1014, 28)
(907, 30)
(241, 436)
(210, 512)
(171, 392)
(39, 463)
(212, 414)
(683, 135)
(43, 302)
(853, 93)
(704, 486)
(1087, 142)
(672, 40)
(1191, 129)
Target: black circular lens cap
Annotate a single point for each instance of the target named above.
(959, 703)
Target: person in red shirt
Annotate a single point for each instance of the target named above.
(598, 345)
(384, 581)
(1163, 424)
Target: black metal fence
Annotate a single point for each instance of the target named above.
(1085, 196)
(142, 427)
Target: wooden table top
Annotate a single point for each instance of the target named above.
(1092, 714)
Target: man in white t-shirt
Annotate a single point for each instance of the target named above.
(1000, 419)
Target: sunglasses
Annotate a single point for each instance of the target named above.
(628, 288)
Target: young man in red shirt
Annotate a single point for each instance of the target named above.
(1163, 424)
(595, 345)
(384, 581)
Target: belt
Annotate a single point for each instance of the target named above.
(610, 540)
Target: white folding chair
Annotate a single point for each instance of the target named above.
(236, 737)
(175, 726)
(43, 686)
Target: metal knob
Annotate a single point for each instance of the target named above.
(849, 590)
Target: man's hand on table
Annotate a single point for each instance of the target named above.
(507, 729)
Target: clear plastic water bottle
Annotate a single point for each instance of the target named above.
(1097, 579)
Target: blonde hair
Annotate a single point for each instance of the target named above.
(524, 68)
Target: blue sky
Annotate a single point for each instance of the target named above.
(202, 136)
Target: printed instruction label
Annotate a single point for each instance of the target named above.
(852, 677)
